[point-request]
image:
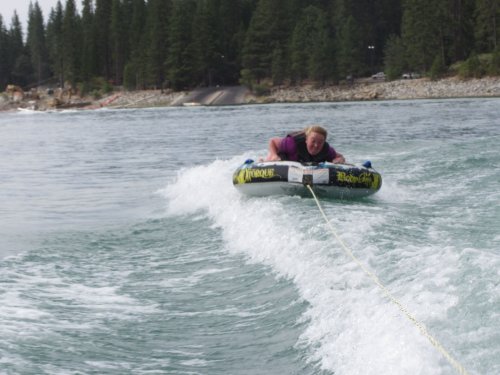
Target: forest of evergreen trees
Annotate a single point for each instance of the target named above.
(181, 44)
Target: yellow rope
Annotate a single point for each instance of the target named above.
(402, 308)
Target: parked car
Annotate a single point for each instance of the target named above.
(410, 75)
(379, 75)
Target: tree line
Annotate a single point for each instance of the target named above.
(181, 44)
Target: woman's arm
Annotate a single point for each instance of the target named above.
(274, 146)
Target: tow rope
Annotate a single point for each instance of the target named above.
(402, 308)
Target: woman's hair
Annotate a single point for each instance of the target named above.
(316, 129)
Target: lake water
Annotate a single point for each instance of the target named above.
(125, 249)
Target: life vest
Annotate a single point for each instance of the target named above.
(303, 156)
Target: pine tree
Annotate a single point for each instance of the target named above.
(16, 38)
(137, 22)
(119, 40)
(36, 43)
(311, 47)
(438, 68)
(386, 18)
(278, 66)
(186, 43)
(349, 44)
(71, 43)
(388, 14)
(494, 65)
(55, 42)
(472, 67)
(322, 61)
(127, 9)
(487, 22)
(231, 32)
(394, 57)
(89, 67)
(4, 56)
(206, 51)
(102, 30)
(299, 53)
(268, 29)
(180, 60)
(134, 75)
(17, 56)
(349, 48)
(423, 32)
(255, 57)
(157, 27)
(459, 35)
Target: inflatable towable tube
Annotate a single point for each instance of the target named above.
(290, 178)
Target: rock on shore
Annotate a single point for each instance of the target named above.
(144, 98)
(366, 89)
(422, 88)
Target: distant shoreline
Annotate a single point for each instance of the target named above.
(363, 90)
(422, 88)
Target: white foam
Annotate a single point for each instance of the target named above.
(352, 328)
(21, 312)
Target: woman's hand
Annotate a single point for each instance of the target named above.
(339, 159)
(272, 157)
